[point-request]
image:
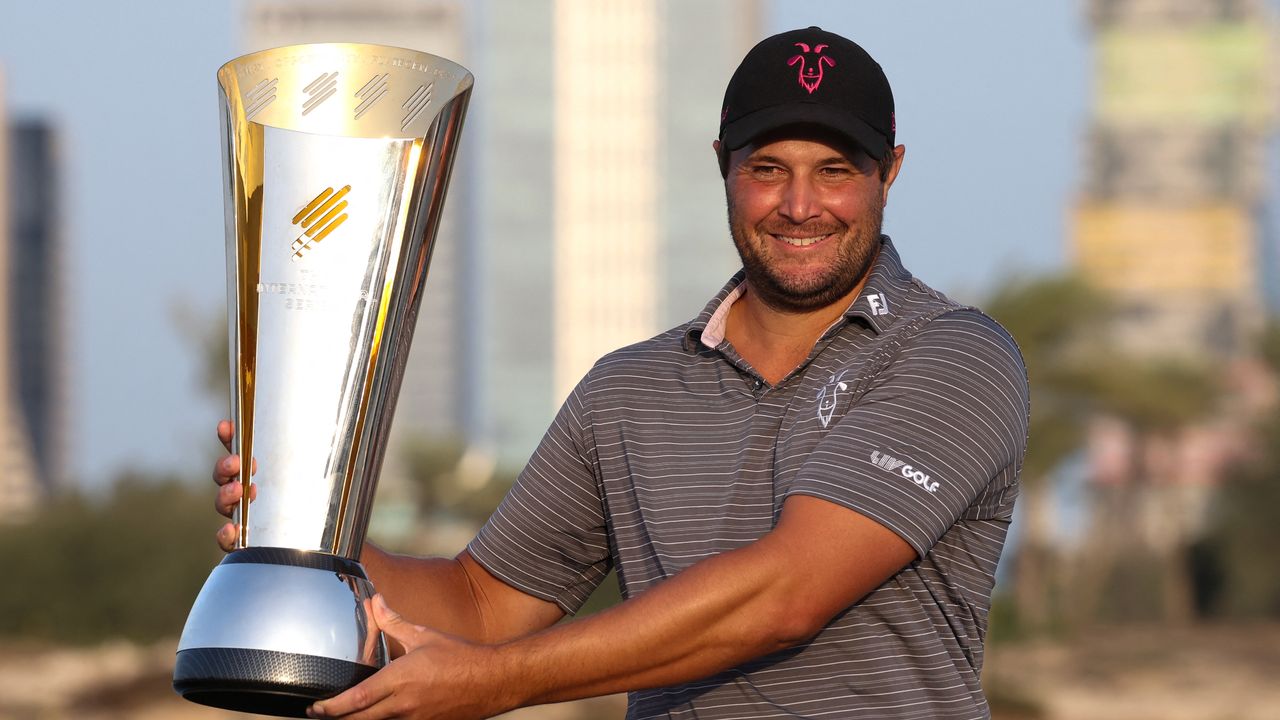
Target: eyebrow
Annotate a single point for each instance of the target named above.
(778, 161)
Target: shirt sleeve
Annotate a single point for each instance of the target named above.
(548, 536)
(938, 435)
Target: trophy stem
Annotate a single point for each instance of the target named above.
(246, 166)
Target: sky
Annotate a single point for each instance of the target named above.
(991, 102)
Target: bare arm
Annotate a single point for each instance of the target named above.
(767, 596)
(455, 596)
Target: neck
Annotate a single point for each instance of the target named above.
(775, 341)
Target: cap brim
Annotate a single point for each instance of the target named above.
(748, 127)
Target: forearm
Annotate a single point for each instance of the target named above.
(456, 596)
(433, 592)
(713, 616)
(772, 594)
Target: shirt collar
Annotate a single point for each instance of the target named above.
(876, 305)
(693, 333)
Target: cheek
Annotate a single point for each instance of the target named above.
(748, 205)
(853, 208)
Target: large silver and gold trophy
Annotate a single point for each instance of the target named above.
(336, 158)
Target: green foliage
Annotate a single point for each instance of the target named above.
(128, 565)
(1154, 396)
(1052, 320)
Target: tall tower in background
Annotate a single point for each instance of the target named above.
(37, 326)
(1171, 225)
(19, 480)
(605, 274)
(600, 207)
(1169, 222)
(640, 238)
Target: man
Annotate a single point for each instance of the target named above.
(804, 491)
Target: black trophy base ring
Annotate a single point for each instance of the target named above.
(265, 682)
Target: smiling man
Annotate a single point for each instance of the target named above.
(805, 490)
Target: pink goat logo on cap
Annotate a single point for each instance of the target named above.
(811, 67)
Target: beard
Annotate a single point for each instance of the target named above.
(792, 292)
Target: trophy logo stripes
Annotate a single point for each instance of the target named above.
(320, 89)
(416, 103)
(371, 93)
(259, 97)
(319, 218)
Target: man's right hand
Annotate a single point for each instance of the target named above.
(226, 473)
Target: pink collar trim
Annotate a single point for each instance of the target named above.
(713, 335)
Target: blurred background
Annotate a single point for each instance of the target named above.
(1103, 176)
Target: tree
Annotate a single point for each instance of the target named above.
(127, 565)
(1052, 320)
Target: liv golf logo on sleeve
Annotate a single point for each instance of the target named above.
(891, 463)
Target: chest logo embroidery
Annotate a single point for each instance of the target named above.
(829, 396)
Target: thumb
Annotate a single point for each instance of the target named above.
(397, 629)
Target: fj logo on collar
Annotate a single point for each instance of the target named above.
(879, 304)
(811, 63)
(320, 217)
(829, 395)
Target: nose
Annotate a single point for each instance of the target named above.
(799, 201)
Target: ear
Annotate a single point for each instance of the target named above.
(722, 158)
(899, 153)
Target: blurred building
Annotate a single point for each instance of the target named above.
(1171, 224)
(599, 208)
(37, 293)
(586, 211)
(32, 371)
(1170, 218)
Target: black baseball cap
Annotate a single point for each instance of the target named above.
(809, 77)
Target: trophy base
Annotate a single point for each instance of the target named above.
(264, 682)
(275, 629)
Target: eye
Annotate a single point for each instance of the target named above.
(765, 171)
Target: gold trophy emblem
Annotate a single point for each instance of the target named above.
(323, 291)
(319, 218)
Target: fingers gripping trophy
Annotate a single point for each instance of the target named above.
(336, 158)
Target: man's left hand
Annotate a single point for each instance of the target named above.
(437, 677)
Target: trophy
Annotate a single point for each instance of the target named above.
(336, 158)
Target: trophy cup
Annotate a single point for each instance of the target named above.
(336, 158)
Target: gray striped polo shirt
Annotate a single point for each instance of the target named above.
(911, 410)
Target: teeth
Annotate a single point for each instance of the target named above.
(799, 242)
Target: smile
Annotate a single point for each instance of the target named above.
(801, 241)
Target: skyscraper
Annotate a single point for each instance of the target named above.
(19, 479)
(621, 232)
(1169, 221)
(37, 326)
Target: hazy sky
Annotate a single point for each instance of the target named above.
(991, 102)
